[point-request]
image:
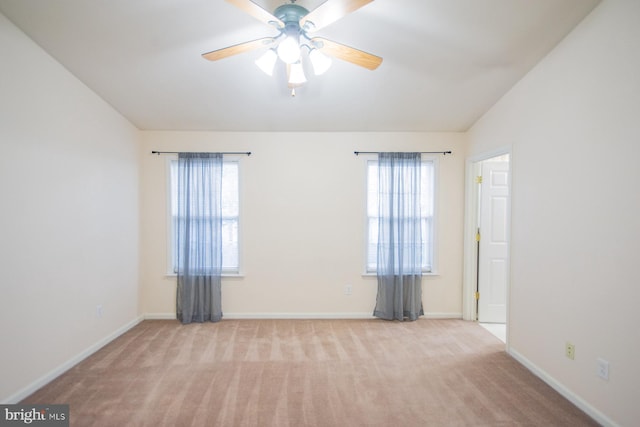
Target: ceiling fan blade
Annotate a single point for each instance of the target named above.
(329, 12)
(347, 53)
(257, 12)
(238, 48)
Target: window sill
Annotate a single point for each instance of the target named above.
(224, 275)
(427, 274)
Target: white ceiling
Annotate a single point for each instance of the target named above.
(445, 61)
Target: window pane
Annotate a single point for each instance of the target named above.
(230, 199)
(427, 244)
(230, 215)
(372, 189)
(174, 188)
(426, 187)
(427, 201)
(230, 244)
(372, 246)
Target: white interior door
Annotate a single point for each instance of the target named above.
(493, 248)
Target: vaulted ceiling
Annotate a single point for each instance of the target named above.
(446, 62)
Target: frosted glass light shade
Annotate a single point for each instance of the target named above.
(296, 75)
(267, 62)
(289, 50)
(319, 61)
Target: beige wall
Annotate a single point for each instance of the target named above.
(303, 197)
(69, 217)
(574, 127)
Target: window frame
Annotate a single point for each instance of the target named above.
(434, 218)
(170, 265)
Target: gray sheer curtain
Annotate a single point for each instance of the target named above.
(399, 262)
(198, 237)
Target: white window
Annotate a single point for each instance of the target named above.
(230, 216)
(427, 202)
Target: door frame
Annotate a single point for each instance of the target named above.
(470, 269)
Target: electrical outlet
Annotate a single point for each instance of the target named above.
(99, 310)
(570, 351)
(348, 289)
(602, 368)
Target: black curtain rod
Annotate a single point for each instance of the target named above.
(248, 153)
(444, 153)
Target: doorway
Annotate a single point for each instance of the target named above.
(487, 221)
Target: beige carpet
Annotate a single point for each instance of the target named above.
(307, 373)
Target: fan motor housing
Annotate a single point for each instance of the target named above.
(290, 13)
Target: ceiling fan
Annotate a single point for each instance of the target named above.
(295, 24)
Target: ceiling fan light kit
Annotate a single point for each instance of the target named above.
(294, 22)
(296, 75)
(320, 62)
(289, 50)
(267, 62)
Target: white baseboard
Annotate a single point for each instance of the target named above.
(61, 369)
(598, 416)
(298, 316)
(232, 316)
(357, 315)
(160, 316)
(443, 315)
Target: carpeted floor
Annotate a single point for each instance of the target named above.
(307, 373)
